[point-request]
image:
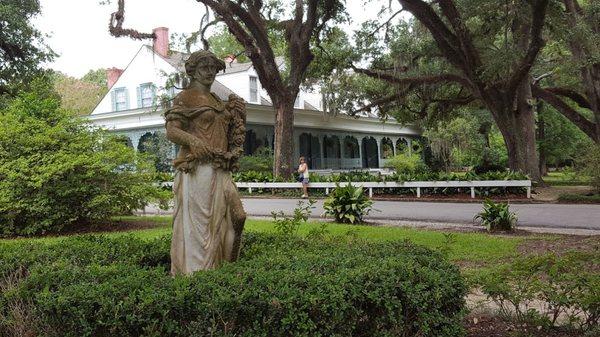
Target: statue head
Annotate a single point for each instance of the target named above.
(203, 66)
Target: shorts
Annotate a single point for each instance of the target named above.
(304, 181)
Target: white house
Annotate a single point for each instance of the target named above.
(132, 108)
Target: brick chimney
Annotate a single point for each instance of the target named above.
(230, 59)
(161, 41)
(112, 75)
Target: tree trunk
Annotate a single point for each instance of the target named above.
(516, 122)
(284, 139)
(541, 137)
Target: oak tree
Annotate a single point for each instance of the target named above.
(22, 47)
(485, 52)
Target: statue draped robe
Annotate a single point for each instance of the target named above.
(208, 216)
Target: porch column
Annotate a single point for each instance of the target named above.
(321, 138)
(360, 151)
(379, 151)
(135, 139)
(409, 141)
(394, 142)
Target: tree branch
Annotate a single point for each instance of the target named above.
(538, 12)
(381, 101)
(585, 125)
(576, 97)
(446, 40)
(115, 25)
(385, 23)
(434, 79)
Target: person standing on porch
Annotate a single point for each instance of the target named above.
(303, 170)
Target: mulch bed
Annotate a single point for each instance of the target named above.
(495, 326)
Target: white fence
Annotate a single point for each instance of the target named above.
(408, 184)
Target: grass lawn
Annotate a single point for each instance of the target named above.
(562, 178)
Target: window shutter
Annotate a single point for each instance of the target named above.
(154, 99)
(113, 100)
(126, 98)
(139, 96)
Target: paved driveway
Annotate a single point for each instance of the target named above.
(530, 215)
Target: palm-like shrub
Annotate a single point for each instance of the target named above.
(348, 204)
(497, 216)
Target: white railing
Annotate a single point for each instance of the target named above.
(392, 184)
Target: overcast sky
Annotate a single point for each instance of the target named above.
(79, 28)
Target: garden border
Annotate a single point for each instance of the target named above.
(394, 184)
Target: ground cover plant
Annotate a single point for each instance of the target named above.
(546, 289)
(282, 286)
(497, 216)
(348, 204)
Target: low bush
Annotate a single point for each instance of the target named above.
(406, 163)
(95, 286)
(548, 290)
(348, 204)
(288, 226)
(260, 161)
(497, 216)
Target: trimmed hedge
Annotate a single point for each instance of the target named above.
(96, 286)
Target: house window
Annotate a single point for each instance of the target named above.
(120, 99)
(253, 89)
(146, 95)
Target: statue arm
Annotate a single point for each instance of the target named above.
(177, 135)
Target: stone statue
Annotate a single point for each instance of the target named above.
(208, 218)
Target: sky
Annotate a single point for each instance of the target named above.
(78, 29)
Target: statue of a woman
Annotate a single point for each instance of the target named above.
(208, 218)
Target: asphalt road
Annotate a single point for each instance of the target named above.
(529, 215)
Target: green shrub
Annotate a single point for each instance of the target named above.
(56, 171)
(348, 204)
(277, 288)
(405, 163)
(497, 216)
(568, 285)
(589, 165)
(260, 161)
(288, 226)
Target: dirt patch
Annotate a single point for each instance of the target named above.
(559, 245)
(551, 193)
(495, 326)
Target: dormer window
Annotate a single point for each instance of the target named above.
(253, 89)
(120, 99)
(146, 94)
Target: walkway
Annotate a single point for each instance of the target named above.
(530, 215)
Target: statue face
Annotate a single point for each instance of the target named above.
(206, 73)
